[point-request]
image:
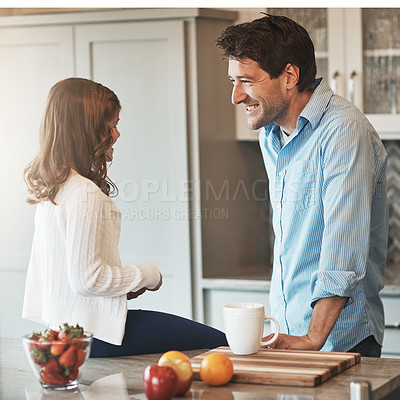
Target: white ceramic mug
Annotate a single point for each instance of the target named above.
(244, 327)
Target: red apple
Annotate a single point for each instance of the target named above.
(183, 368)
(159, 382)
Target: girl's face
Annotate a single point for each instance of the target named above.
(114, 134)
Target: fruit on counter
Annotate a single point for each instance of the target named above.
(181, 364)
(54, 379)
(68, 332)
(80, 357)
(216, 369)
(53, 373)
(59, 354)
(159, 382)
(39, 356)
(68, 357)
(57, 348)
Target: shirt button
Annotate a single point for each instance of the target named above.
(281, 173)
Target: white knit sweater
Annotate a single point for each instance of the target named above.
(75, 273)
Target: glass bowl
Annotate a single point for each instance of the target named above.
(58, 364)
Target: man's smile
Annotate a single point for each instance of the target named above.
(251, 107)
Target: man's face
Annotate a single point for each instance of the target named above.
(265, 99)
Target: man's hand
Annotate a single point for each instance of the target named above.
(291, 342)
(324, 316)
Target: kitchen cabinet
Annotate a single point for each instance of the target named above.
(218, 292)
(358, 52)
(32, 60)
(192, 198)
(391, 339)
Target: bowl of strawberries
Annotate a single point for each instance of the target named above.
(57, 357)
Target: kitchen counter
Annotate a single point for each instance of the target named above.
(121, 378)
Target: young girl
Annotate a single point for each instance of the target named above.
(75, 273)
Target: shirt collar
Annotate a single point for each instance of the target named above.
(315, 108)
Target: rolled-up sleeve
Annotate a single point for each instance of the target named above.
(347, 159)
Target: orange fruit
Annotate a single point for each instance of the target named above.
(216, 369)
(174, 355)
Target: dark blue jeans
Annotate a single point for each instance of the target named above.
(149, 332)
(369, 347)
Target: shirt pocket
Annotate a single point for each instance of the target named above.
(300, 186)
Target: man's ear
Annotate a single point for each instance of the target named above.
(293, 75)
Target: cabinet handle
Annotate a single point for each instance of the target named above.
(351, 85)
(396, 325)
(335, 76)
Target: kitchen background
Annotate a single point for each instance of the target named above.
(195, 201)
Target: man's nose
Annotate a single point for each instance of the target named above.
(238, 95)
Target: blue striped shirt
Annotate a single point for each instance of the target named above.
(327, 188)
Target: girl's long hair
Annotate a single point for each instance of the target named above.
(74, 133)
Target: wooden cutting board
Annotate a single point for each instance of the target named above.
(283, 367)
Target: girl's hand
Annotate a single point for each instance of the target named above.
(134, 295)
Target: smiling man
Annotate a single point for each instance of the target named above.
(327, 181)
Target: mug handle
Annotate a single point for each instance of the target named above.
(276, 331)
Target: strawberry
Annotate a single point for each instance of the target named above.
(34, 337)
(68, 332)
(53, 373)
(39, 356)
(52, 334)
(41, 338)
(73, 373)
(80, 357)
(53, 378)
(52, 367)
(68, 358)
(57, 348)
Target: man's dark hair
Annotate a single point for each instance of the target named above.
(272, 41)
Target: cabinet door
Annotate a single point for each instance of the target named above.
(391, 338)
(143, 62)
(364, 61)
(32, 60)
(315, 21)
(381, 68)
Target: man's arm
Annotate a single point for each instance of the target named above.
(324, 316)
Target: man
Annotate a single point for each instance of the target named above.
(327, 181)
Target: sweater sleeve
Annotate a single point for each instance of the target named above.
(90, 273)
